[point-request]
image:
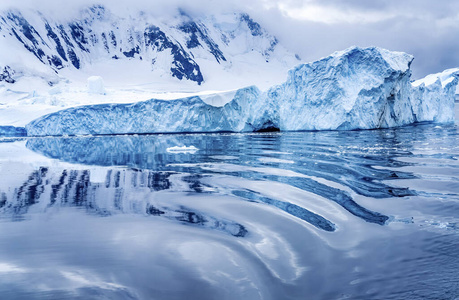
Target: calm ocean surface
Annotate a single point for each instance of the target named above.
(300, 215)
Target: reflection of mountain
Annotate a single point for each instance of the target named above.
(121, 191)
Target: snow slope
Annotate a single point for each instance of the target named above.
(138, 55)
(180, 47)
(359, 88)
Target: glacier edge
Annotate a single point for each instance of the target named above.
(358, 88)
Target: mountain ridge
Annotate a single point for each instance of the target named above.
(177, 49)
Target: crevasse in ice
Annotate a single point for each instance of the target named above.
(358, 88)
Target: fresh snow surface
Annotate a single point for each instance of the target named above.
(95, 85)
(359, 88)
(30, 98)
(217, 99)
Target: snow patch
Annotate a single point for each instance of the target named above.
(218, 99)
(96, 85)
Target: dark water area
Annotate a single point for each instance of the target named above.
(294, 215)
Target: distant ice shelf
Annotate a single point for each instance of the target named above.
(11, 131)
(358, 88)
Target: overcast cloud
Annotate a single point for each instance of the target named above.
(427, 29)
(315, 28)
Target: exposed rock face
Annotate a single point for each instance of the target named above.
(7, 75)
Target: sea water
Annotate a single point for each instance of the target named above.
(295, 215)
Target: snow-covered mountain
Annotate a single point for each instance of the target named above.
(182, 47)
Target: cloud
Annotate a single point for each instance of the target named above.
(423, 9)
(312, 28)
(123, 6)
(320, 14)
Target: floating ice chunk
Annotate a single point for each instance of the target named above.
(182, 149)
(96, 85)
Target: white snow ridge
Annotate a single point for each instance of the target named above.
(359, 88)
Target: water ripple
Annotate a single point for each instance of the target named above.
(333, 170)
(265, 215)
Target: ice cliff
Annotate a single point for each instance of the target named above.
(358, 88)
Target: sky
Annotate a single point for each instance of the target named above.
(427, 29)
(316, 28)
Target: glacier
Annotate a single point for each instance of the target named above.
(358, 88)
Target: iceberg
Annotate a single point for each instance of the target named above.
(437, 92)
(11, 131)
(358, 88)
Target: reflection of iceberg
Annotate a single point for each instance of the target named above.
(353, 89)
(311, 164)
(140, 152)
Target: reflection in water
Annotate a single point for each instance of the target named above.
(311, 160)
(74, 188)
(267, 215)
(294, 210)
